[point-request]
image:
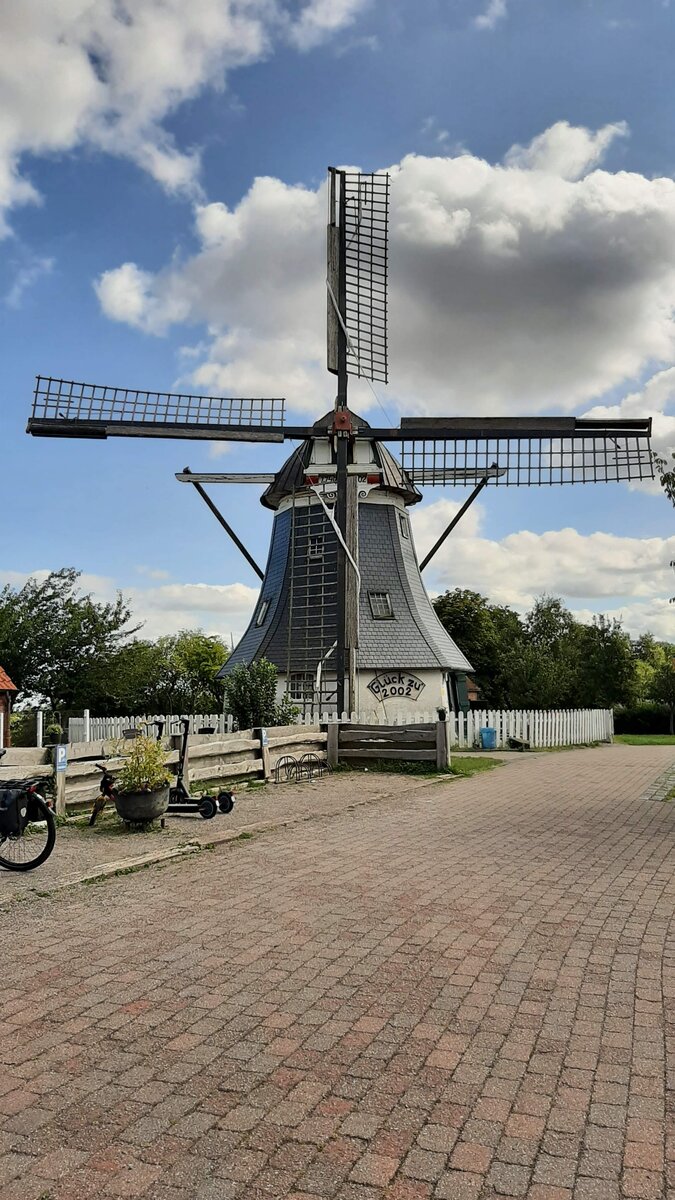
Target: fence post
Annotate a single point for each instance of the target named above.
(87, 726)
(39, 728)
(261, 735)
(442, 750)
(60, 763)
(332, 743)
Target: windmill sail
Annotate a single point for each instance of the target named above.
(66, 408)
(358, 258)
(512, 451)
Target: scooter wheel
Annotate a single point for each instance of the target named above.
(207, 807)
(225, 802)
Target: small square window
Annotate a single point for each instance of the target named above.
(301, 686)
(403, 522)
(262, 613)
(315, 546)
(380, 606)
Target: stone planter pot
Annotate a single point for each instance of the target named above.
(140, 808)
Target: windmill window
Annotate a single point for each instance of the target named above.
(262, 613)
(380, 606)
(315, 546)
(403, 522)
(301, 686)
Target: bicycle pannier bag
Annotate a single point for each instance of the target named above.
(13, 811)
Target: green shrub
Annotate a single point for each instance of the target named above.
(642, 718)
(144, 769)
(250, 696)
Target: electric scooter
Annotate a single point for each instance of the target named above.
(180, 800)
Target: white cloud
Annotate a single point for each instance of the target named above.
(566, 150)
(495, 12)
(523, 565)
(430, 129)
(26, 276)
(515, 284)
(153, 572)
(221, 609)
(320, 19)
(106, 73)
(656, 617)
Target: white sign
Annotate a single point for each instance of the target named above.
(390, 685)
(61, 758)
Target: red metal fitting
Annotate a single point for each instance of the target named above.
(342, 421)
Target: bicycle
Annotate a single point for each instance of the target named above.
(27, 824)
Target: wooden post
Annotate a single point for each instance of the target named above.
(261, 735)
(442, 748)
(87, 726)
(332, 743)
(39, 728)
(60, 769)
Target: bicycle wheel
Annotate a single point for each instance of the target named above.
(31, 847)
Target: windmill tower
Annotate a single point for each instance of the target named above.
(342, 609)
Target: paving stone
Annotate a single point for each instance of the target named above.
(457, 998)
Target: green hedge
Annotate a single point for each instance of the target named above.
(642, 718)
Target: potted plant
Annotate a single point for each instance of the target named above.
(143, 783)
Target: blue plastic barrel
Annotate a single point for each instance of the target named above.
(488, 738)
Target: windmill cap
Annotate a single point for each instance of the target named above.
(291, 477)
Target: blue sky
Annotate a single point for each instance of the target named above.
(139, 251)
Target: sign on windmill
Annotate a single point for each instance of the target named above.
(342, 610)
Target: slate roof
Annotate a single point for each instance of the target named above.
(254, 643)
(413, 639)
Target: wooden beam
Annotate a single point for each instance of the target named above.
(226, 477)
(226, 526)
(393, 737)
(413, 727)
(399, 755)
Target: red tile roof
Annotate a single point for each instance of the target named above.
(6, 684)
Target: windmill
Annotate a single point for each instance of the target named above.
(342, 609)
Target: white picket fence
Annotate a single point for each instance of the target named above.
(558, 727)
(98, 729)
(542, 729)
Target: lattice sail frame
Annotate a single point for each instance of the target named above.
(582, 457)
(96, 405)
(366, 272)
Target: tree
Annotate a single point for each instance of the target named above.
(544, 671)
(663, 689)
(666, 474)
(250, 693)
(190, 661)
(487, 634)
(127, 683)
(51, 636)
(606, 674)
(175, 674)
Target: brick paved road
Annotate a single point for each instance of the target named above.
(458, 997)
